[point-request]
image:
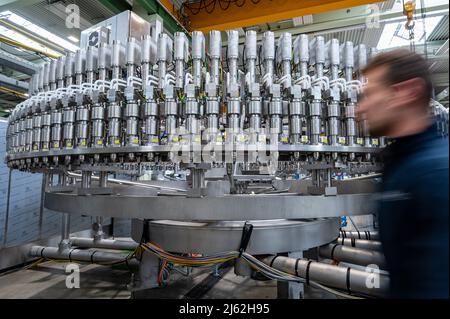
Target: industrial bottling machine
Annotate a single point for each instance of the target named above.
(219, 147)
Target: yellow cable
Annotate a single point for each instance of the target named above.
(7, 90)
(31, 35)
(27, 47)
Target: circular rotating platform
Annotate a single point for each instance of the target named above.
(268, 236)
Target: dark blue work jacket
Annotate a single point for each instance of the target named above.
(413, 215)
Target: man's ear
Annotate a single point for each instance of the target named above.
(408, 92)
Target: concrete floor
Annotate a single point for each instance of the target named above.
(47, 280)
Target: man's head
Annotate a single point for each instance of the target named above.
(397, 94)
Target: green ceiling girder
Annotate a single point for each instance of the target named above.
(116, 6)
(153, 7)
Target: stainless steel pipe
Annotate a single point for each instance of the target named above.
(72, 254)
(103, 243)
(360, 243)
(353, 255)
(345, 278)
(369, 235)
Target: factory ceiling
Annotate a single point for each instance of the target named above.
(347, 24)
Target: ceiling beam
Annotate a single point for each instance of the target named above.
(16, 4)
(27, 47)
(16, 63)
(32, 35)
(340, 20)
(265, 11)
(13, 83)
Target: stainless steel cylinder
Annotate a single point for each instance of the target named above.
(114, 116)
(52, 75)
(90, 256)
(56, 128)
(345, 278)
(29, 133)
(369, 235)
(348, 60)
(333, 113)
(78, 69)
(233, 114)
(68, 120)
(81, 126)
(212, 110)
(103, 243)
(353, 255)
(215, 42)
(131, 115)
(350, 121)
(268, 49)
(251, 54)
(151, 123)
(255, 114)
(146, 44)
(198, 52)
(296, 119)
(60, 71)
(360, 243)
(180, 54)
(45, 130)
(23, 134)
(116, 48)
(171, 117)
(68, 69)
(45, 79)
(101, 60)
(98, 125)
(276, 116)
(36, 139)
(41, 78)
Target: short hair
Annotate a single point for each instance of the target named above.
(403, 65)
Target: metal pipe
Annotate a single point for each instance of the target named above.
(268, 44)
(353, 255)
(103, 179)
(65, 232)
(103, 243)
(198, 52)
(369, 235)
(131, 183)
(93, 256)
(360, 243)
(180, 55)
(346, 278)
(86, 179)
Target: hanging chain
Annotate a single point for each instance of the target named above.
(408, 11)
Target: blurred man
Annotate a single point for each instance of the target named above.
(413, 209)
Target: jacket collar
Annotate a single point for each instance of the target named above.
(405, 145)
